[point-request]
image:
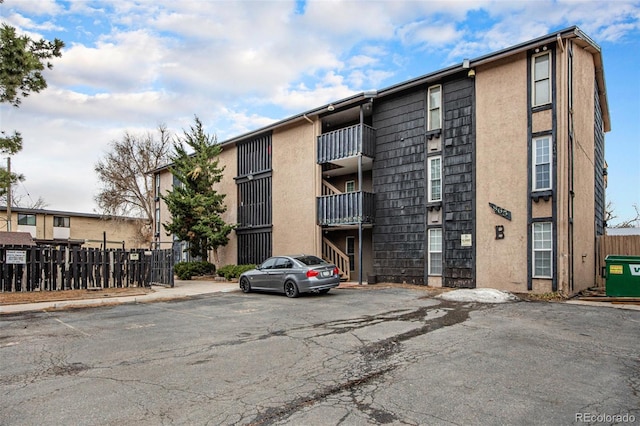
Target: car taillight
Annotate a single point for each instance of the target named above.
(336, 271)
(312, 273)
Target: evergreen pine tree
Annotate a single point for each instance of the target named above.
(195, 206)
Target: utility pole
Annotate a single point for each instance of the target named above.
(9, 195)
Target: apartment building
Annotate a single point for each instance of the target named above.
(53, 227)
(489, 173)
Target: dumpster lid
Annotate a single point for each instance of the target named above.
(621, 258)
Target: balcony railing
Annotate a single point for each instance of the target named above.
(346, 142)
(350, 208)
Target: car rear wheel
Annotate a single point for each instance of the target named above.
(244, 285)
(291, 289)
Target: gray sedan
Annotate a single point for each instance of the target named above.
(292, 275)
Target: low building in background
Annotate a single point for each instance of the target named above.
(62, 228)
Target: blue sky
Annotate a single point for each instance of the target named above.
(240, 65)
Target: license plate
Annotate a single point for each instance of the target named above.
(325, 274)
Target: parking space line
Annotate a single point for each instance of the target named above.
(72, 327)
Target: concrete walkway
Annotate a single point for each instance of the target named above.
(180, 290)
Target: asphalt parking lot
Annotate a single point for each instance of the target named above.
(352, 357)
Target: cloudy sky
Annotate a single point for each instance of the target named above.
(240, 65)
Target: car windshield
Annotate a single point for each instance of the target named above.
(310, 260)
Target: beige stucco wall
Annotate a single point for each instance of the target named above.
(562, 270)
(295, 185)
(584, 169)
(501, 134)
(166, 184)
(228, 255)
(501, 173)
(116, 230)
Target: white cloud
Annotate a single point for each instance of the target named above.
(243, 65)
(121, 61)
(34, 7)
(429, 34)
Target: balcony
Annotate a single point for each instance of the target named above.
(345, 143)
(350, 208)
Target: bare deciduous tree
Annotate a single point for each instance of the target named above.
(127, 187)
(610, 216)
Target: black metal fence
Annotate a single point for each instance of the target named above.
(25, 268)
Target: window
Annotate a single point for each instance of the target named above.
(269, 263)
(27, 219)
(157, 184)
(350, 186)
(61, 222)
(435, 106)
(311, 260)
(176, 182)
(542, 250)
(435, 179)
(435, 251)
(541, 65)
(283, 263)
(157, 215)
(541, 163)
(351, 252)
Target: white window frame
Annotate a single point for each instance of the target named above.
(430, 124)
(431, 197)
(346, 186)
(542, 247)
(535, 79)
(537, 162)
(432, 251)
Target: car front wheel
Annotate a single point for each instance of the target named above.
(244, 285)
(291, 289)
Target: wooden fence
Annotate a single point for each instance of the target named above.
(26, 268)
(624, 245)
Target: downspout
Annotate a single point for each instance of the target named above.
(360, 194)
(308, 119)
(571, 166)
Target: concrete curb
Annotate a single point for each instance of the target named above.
(182, 290)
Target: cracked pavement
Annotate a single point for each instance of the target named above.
(352, 357)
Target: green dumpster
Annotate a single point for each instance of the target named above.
(623, 276)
